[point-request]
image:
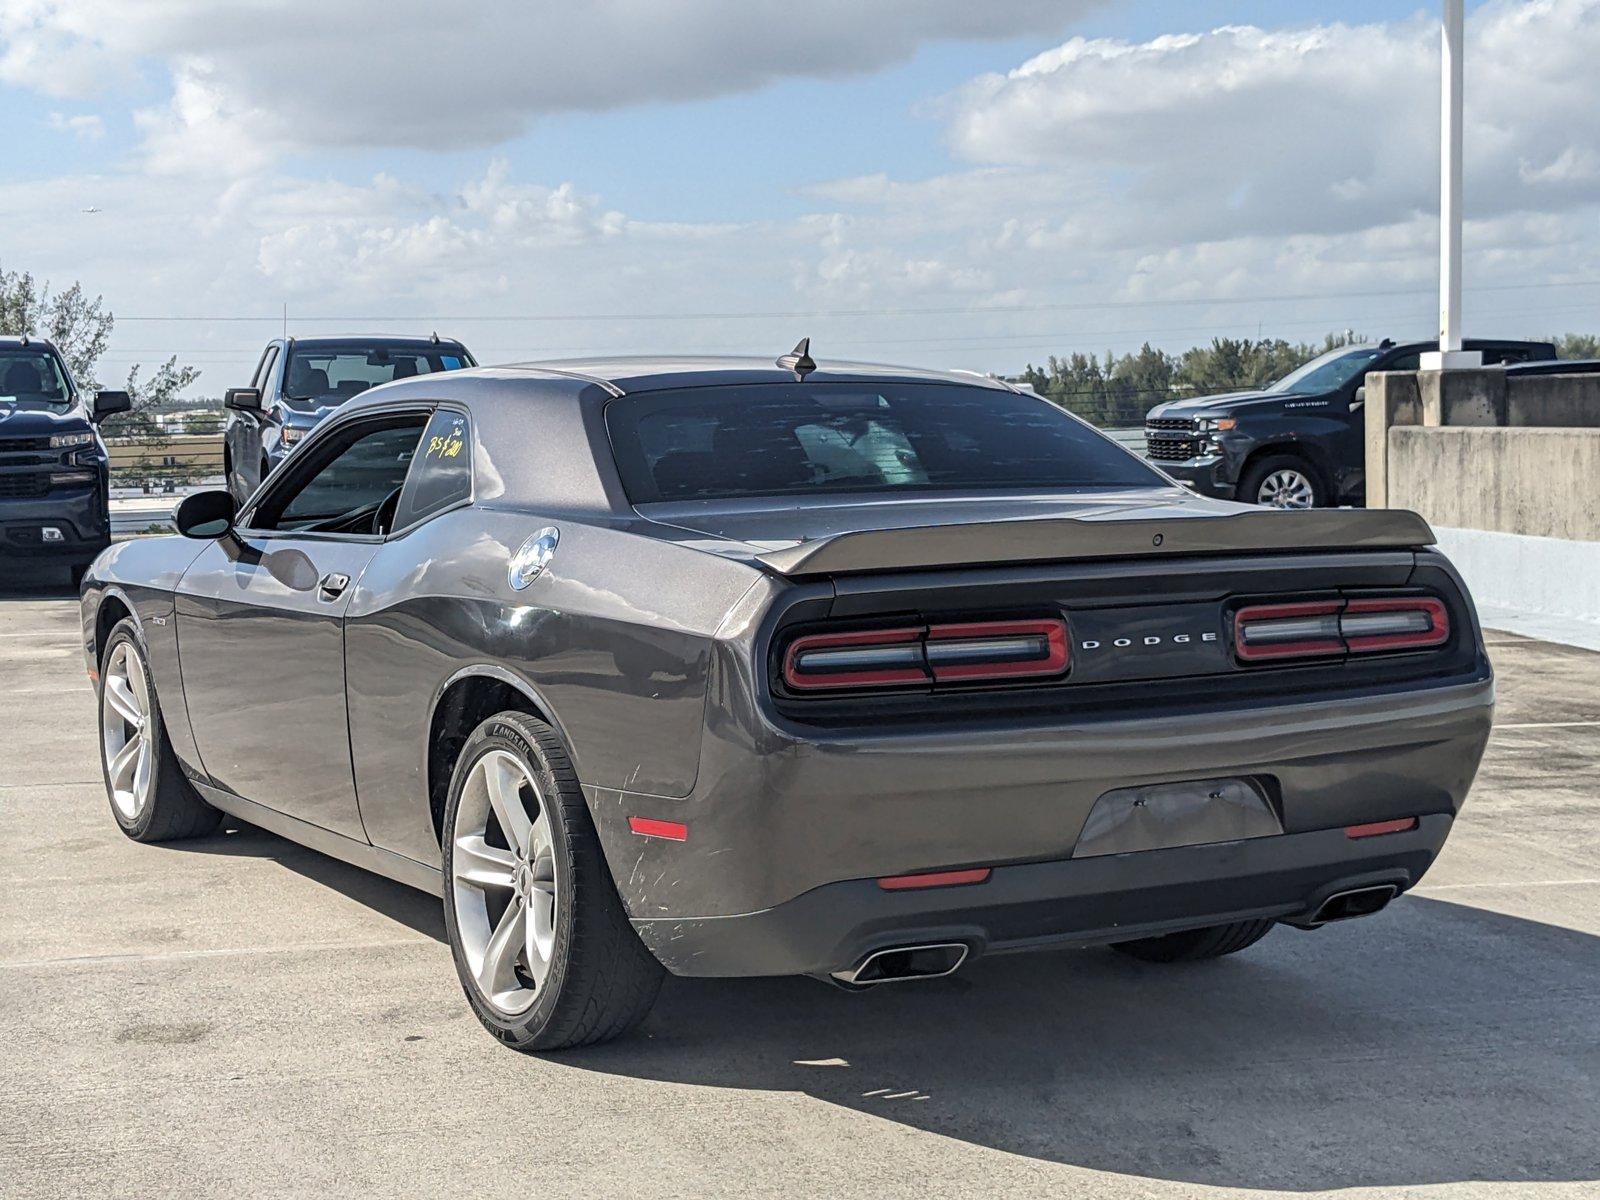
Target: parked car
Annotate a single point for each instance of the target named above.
(1560, 366)
(1301, 442)
(299, 381)
(55, 502)
(726, 668)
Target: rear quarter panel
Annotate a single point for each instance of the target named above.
(613, 639)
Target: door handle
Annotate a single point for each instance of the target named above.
(332, 585)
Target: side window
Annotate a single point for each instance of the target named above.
(264, 368)
(1406, 362)
(350, 484)
(441, 471)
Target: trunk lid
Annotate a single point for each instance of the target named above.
(842, 538)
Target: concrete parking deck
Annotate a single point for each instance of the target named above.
(238, 1016)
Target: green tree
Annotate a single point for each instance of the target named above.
(80, 328)
(1577, 345)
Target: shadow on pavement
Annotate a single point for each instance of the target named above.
(404, 905)
(1434, 1043)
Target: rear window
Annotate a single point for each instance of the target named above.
(803, 438)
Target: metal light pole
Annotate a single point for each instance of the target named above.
(1450, 353)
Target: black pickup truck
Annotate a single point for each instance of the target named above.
(54, 476)
(1300, 442)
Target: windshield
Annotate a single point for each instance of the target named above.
(1328, 372)
(33, 379)
(779, 439)
(335, 373)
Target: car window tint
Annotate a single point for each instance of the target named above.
(346, 480)
(441, 471)
(776, 439)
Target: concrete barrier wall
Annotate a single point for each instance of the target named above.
(1536, 482)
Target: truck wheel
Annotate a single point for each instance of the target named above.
(1283, 481)
(541, 943)
(150, 798)
(1192, 945)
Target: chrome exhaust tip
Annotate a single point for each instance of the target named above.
(900, 963)
(1358, 902)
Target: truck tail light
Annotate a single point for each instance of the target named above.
(961, 652)
(1333, 628)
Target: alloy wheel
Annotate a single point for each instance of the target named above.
(1287, 488)
(125, 731)
(504, 879)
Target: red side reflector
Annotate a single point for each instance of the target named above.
(672, 831)
(933, 879)
(1376, 828)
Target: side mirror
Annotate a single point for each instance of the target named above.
(109, 404)
(205, 515)
(242, 399)
(1360, 401)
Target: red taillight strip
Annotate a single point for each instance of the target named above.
(1054, 661)
(1281, 612)
(1436, 634)
(1019, 649)
(1345, 636)
(1378, 828)
(672, 831)
(933, 879)
(891, 677)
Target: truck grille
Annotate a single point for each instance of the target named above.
(1163, 446)
(24, 485)
(24, 443)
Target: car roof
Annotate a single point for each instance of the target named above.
(624, 374)
(13, 341)
(363, 339)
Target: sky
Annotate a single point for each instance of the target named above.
(932, 182)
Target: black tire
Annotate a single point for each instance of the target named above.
(1194, 945)
(601, 980)
(1253, 484)
(173, 810)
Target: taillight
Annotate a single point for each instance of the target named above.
(1394, 624)
(1287, 630)
(875, 658)
(961, 652)
(1325, 628)
(997, 650)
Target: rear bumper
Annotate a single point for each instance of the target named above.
(1076, 902)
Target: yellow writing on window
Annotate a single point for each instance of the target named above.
(448, 446)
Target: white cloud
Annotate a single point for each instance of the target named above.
(86, 127)
(1108, 192)
(1325, 129)
(252, 79)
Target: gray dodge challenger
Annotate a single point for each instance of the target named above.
(735, 667)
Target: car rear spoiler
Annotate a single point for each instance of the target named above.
(1062, 539)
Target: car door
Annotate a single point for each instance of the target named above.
(1350, 444)
(260, 618)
